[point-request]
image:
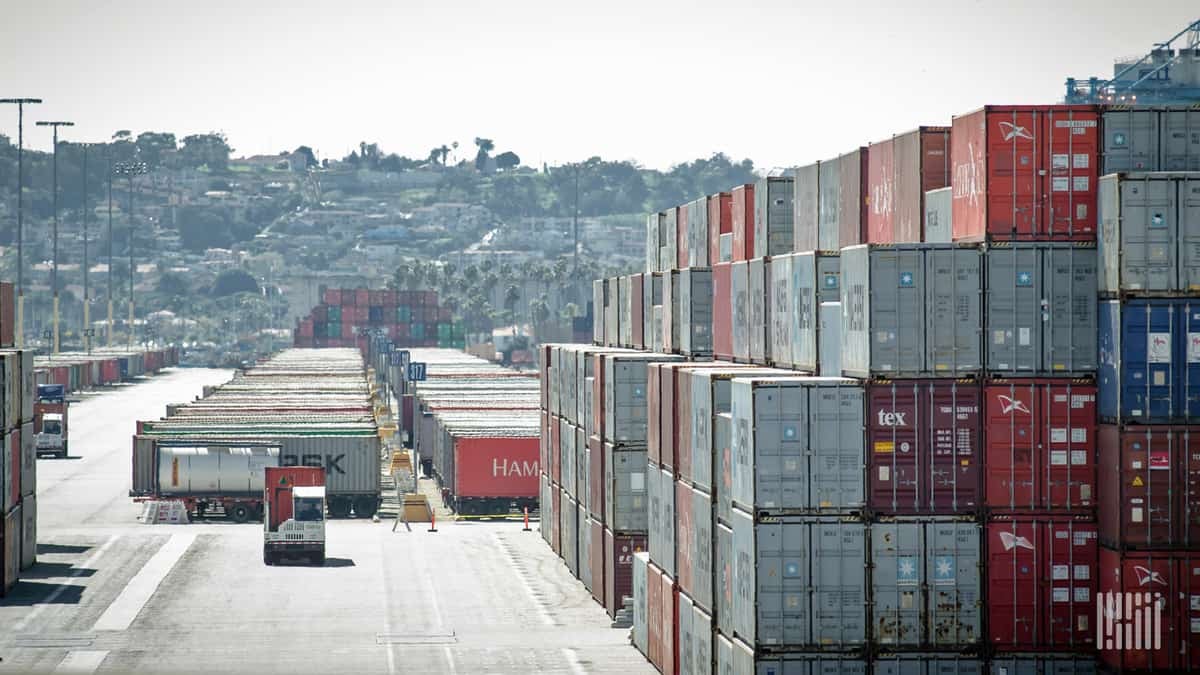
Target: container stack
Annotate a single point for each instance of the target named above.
(1149, 403)
(18, 454)
(410, 319)
(104, 366)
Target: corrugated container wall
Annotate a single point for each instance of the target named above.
(852, 198)
(719, 223)
(829, 339)
(1149, 233)
(1025, 172)
(939, 227)
(651, 296)
(625, 311)
(1150, 138)
(1145, 474)
(669, 239)
(612, 313)
(740, 298)
(652, 262)
(780, 304)
(742, 217)
(773, 217)
(681, 237)
(698, 233)
(1150, 366)
(599, 301)
(637, 316)
(899, 172)
(816, 278)
(829, 199)
(696, 311)
(1040, 309)
(1169, 581)
(805, 209)
(722, 312)
(756, 292)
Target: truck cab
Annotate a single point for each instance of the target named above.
(50, 420)
(294, 514)
(51, 440)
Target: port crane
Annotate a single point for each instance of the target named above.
(1165, 75)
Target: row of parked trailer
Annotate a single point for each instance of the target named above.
(478, 431)
(76, 371)
(301, 407)
(999, 462)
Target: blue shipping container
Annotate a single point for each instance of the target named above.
(1149, 360)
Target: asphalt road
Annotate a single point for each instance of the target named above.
(111, 595)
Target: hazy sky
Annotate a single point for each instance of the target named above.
(659, 81)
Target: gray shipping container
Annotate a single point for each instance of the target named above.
(568, 532)
(939, 223)
(798, 444)
(1041, 309)
(799, 583)
(584, 546)
(652, 223)
(671, 295)
(28, 531)
(669, 240)
(773, 216)
(722, 438)
(911, 310)
(583, 467)
(927, 664)
(816, 278)
(641, 633)
(829, 338)
(625, 490)
(702, 549)
(612, 313)
(657, 331)
(779, 311)
(661, 525)
(739, 285)
(1042, 664)
(567, 478)
(684, 611)
(710, 397)
(702, 641)
(756, 292)
(625, 311)
(725, 247)
(925, 584)
(599, 314)
(805, 191)
(695, 311)
(625, 396)
(652, 294)
(724, 578)
(1149, 232)
(1150, 138)
(829, 200)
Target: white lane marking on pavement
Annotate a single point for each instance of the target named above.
(573, 661)
(387, 612)
(81, 661)
(512, 562)
(86, 565)
(125, 608)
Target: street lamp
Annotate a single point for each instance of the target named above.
(54, 262)
(87, 334)
(47, 335)
(20, 103)
(87, 298)
(129, 170)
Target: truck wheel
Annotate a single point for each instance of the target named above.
(240, 513)
(339, 507)
(268, 559)
(365, 506)
(318, 559)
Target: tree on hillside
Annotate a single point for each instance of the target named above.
(209, 150)
(507, 160)
(151, 145)
(229, 282)
(202, 228)
(310, 158)
(485, 148)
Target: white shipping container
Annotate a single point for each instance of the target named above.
(28, 532)
(939, 227)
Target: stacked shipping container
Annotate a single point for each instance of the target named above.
(410, 319)
(18, 453)
(1149, 333)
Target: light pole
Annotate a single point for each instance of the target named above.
(54, 261)
(110, 260)
(129, 170)
(20, 103)
(87, 298)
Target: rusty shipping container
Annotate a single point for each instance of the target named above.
(618, 567)
(924, 447)
(1152, 600)
(720, 221)
(852, 198)
(1149, 482)
(742, 216)
(1025, 172)
(899, 172)
(722, 311)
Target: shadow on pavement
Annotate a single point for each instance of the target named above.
(55, 570)
(48, 549)
(26, 593)
(339, 562)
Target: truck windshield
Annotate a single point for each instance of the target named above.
(51, 427)
(309, 509)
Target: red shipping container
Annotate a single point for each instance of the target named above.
(667, 427)
(332, 296)
(618, 567)
(1041, 583)
(348, 331)
(374, 298)
(282, 480)
(362, 314)
(923, 447)
(1040, 445)
(1148, 611)
(1149, 482)
(1025, 172)
(722, 311)
(596, 484)
(431, 315)
(637, 318)
(720, 221)
(596, 559)
(899, 171)
(431, 298)
(347, 297)
(654, 611)
(654, 412)
(305, 329)
(684, 532)
(741, 212)
(852, 198)
(670, 626)
(389, 299)
(362, 297)
(681, 238)
(555, 452)
(496, 467)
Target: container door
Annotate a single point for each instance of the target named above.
(1012, 420)
(1180, 140)
(1130, 140)
(835, 447)
(1069, 551)
(1068, 440)
(953, 296)
(894, 426)
(1069, 186)
(896, 331)
(1149, 234)
(1189, 229)
(1069, 297)
(897, 578)
(1013, 310)
(1188, 396)
(952, 563)
(839, 583)
(1147, 360)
